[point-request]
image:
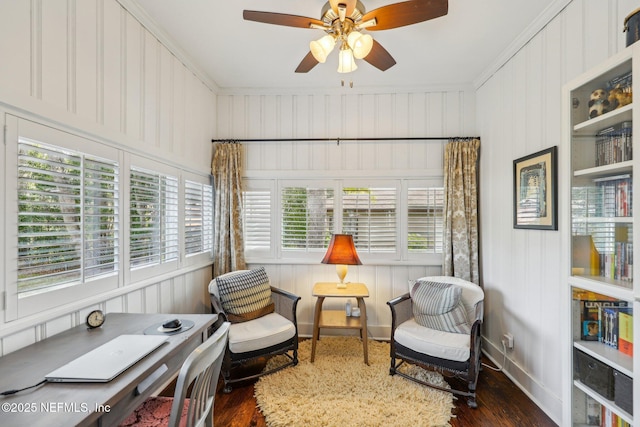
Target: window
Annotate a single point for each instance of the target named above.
(70, 231)
(391, 220)
(154, 218)
(198, 218)
(256, 217)
(369, 214)
(307, 218)
(425, 214)
(67, 217)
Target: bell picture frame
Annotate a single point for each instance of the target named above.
(535, 190)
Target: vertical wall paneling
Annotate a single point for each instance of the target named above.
(166, 100)
(151, 96)
(84, 97)
(88, 66)
(71, 56)
(132, 78)
(177, 135)
(523, 294)
(17, 19)
(348, 115)
(111, 64)
(54, 53)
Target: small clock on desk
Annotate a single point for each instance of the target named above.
(95, 319)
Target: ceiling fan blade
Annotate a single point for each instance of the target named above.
(351, 4)
(307, 64)
(280, 19)
(379, 57)
(406, 13)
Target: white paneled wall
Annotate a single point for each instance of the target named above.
(435, 113)
(521, 268)
(89, 67)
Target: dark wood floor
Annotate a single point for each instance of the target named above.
(500, 403)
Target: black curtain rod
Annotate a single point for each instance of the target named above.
(338, 140)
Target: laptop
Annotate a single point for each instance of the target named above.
(107, 361)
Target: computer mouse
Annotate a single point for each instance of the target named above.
(172, 324)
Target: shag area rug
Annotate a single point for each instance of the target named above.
(338, 389)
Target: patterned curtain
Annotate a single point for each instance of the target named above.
(228, 245)
(461, 209)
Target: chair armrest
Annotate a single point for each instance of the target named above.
(476, 339)
(401, 311)
(216, 308)
(286, 304)
(479, 311)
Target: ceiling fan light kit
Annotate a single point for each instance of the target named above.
(343, 21)
(346, 61)
(321, 48)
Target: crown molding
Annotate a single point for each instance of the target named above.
(547, 15)
(134, 8)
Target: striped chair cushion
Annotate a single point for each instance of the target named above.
(439, 306)
(245, 296)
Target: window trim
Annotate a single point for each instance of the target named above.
(200, 257)
(269, 186)
(402, 254)
(19, 306)
(143, 271)
(24, 310)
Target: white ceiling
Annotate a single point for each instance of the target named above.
(451, 50)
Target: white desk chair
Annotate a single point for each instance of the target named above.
(202, 369)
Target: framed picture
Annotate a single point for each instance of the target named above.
(535, 191)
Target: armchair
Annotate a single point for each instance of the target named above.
(268, 335)
(456, 352)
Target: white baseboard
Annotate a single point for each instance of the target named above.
(550, 403)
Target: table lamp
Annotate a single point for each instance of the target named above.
(341, 252)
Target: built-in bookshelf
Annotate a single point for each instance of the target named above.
(598, 176)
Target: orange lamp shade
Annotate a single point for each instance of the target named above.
(341, 250)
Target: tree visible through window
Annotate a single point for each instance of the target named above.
(67, 217)
(307, 217)
(153, 218)
(374, 215)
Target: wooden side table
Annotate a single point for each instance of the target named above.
(337, 319)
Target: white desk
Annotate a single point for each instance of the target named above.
(86, 404)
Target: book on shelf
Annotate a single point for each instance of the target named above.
(608, 418)
(619, 264)
(591, 317)
(613, 195)
(625, 331)
(609, 324)
(594, 411)
(614, 144)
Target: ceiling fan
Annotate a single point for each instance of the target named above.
(343, 21)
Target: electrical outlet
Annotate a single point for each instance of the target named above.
(508, 340)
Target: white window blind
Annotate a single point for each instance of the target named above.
(67, 217)
(154, 218)
(256, 217)
(425, 214)
(307, 218)
(198, 217)
(369, 214)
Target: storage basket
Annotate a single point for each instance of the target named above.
(594, 374)
(623, 386)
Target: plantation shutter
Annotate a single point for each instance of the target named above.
(67, 217)
(307, 218)
(369, 214)
(256, 218)
(198, 217)
(154, 218)
(425, 219)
